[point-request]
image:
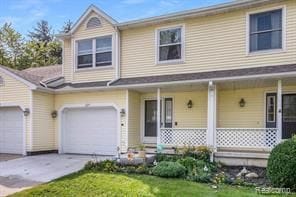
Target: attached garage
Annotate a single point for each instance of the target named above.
(11, 130)
(90, 130)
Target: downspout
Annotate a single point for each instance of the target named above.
(117, 57)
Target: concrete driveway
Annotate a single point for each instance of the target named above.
(25, 172)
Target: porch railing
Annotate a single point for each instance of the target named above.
(183, 136)
(247, 137)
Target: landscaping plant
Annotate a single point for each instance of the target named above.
(281, 167)
(169, 169)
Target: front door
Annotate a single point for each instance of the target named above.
(289, 116)
(150, 118)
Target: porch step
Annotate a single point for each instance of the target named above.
(242, 158)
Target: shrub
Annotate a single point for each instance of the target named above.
(281, 167)
(198, 152)
(105, 166)
(169, 169)
(164, 157)
(188, 162)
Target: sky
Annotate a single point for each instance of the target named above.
(24, 14)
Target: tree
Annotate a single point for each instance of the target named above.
(11, 46)
(42, 32)
(67, 26)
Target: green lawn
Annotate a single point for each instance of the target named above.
(103, 184)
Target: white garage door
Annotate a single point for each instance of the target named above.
(11, 130)
(90, 131)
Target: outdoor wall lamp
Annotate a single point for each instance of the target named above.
(189, 104)
(26, 112)
(122, 112)
(54, 114)
(242, 102)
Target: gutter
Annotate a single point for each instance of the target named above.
(158, 84)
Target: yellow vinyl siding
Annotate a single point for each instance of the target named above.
(97, 74)
(43, 135)
(16, 93)
(211, 43)
(231, 115)
(104, 97)
(196, 117)
(134, 134)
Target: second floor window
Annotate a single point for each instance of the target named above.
(170, 44)
(266, 31)
(95, 52)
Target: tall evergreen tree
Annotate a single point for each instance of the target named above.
(42, 32)
(67, 26)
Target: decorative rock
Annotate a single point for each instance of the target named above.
(214, 187)
(252, 175)
(244, 171)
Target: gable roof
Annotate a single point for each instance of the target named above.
(33, 77)
(91, 8)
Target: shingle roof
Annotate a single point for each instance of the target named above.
(208, 75)
(83, 85)
(45, 72)
(36, 75)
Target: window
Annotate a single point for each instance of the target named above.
(95, 52)
(170, 44)
(104, 51)
(85, 55)
(271, 108)
(93, 22)
(266, 30)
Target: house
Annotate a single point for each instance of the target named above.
(221, 76)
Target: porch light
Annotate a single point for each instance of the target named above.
(122, 112)
(26, 112)
(189, 104)
(242, 102)
(54, 114)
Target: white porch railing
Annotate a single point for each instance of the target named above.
(183, 136)
(247, 137)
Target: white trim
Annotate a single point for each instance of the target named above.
(92, 8)
(127, 117)
(27, 83)
(176, 61)
(284, 33)
(31, 121)
(84, 106)
(279, 110)
(212, 113)
(158, 116)
(24, 132)
(238, 78)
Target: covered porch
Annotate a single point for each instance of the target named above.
(229, 116)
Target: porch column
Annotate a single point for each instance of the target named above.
(158, 116)
(279, 109)
(212, 97)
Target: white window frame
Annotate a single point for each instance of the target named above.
(94, 67)
(274, 110)
(284, 24)
(157, 45)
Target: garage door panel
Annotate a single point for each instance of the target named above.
(11, 130)
(90, 130)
